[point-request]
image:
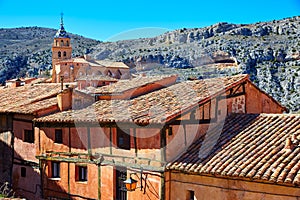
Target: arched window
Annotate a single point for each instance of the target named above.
(61, 43)
(67, 42)
(59, 54)
(56, 43)
(65, 54)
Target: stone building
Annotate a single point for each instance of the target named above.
(18, 107)
(90, 152)
(64, 65)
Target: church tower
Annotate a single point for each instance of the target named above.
(61, 48)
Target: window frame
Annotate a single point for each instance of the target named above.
(28, 136)
(58, 140)
(125, 143)
(55, 165)
(81, 173)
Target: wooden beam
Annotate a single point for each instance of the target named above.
(163, 144)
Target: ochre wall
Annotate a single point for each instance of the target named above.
(259, 102)
(224, 189)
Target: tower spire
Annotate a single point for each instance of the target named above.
(61, 19)
(61, 33)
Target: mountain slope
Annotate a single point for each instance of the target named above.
(268, 51)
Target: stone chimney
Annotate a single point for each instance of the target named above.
(64, 99)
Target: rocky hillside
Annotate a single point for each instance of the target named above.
(27, 51)
(268, 51)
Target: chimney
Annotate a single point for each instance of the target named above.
(64, 99)
(288, 143)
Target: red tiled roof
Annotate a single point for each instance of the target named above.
(128, 84)
(29, 98)
(156, 107)
(250, 146)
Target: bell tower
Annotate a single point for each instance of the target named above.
(61, 48)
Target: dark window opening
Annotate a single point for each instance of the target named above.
(81, 173)
(58, 136)
(121, 176)
(67, 43)
(170, 131)
(190, 195)
(55, 170)
(65, 54)
(28, 136)
(61, 43)
(23, 172)
(59, 54)
(123, 138)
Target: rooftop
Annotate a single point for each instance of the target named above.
(128, 84)
(259, 147)
(156, 107)
(29, 98)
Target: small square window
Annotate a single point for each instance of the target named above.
(23, 172)
(58, 136)
(28, 136)
(81, 173)
(55, 170)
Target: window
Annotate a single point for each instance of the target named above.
(65, 54)
(23, 172)
(55, 169)
(59, 54)
(61, 43)
(123, 138)
(58, 136)
(121, 176)
(67, 43)
(81, 173)
(190, 195)
(28, 136)
(170, 131)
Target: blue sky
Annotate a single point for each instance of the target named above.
(111, 20)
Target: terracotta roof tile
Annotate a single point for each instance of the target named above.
(128, 84)
(156, 107)
(29, 98)
(250, 146)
